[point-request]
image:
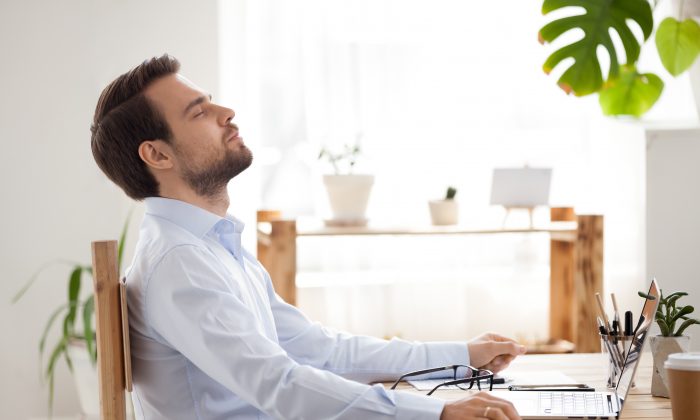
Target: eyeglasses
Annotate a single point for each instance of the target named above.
(471, 375)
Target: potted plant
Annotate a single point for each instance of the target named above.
(672, 320)
(348, 193)
(625, 90)
(446, 210)
(76, 343)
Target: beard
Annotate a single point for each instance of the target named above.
(211, 179)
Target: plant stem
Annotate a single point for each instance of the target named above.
(680, 11)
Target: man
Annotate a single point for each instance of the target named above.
(210, 339)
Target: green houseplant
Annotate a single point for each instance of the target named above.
(70, 331)
(343, 161)
(445, 211)
(673, 320)
(625, 90)
(451, 193)
(348, 193)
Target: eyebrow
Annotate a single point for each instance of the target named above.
(194, 103)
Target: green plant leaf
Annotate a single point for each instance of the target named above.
(685, 325)
(672, 298)
(52, 319)
(66, 328)
(73, 292)
(69, 362)
(88, 310)
(35, 276)
(631, 93)
(122, 240)
(584, 76)
(685, 310)
(60, 347)
(42, 342)
(646, 296)
(678, 44)
(663, 326)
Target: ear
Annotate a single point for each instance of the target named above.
(157, 154)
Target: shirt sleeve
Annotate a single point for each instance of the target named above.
(357, 357)
(200, 311)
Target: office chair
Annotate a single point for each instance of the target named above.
(112, 328)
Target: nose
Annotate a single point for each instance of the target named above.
(226, 115)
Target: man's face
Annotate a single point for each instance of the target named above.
(208, 150)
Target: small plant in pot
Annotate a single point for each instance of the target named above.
(446, 210)
(77, 342)
(672, 320)
(348, 193)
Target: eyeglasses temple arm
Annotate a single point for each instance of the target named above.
(422, 372)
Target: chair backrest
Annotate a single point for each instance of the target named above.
(112, 329)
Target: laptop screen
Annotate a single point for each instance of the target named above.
(639, 336)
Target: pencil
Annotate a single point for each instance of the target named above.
(602, 312)
(612, 295)
(616, 316)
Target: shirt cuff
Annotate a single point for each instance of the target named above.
(411, 406)
(444, 353)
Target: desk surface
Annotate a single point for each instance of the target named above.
(590, 369)
(314, 227)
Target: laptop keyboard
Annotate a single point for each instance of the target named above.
(572, 403)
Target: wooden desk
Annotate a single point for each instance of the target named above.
(590, 369)
(576, 265)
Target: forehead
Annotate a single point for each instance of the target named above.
(172, 93)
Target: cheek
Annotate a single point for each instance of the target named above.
(198, 152)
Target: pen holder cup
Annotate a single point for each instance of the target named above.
(616, 347)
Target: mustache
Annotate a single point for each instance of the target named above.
(231, 131)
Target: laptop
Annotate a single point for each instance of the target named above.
(590, 405)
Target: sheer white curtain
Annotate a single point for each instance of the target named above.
(438, 93)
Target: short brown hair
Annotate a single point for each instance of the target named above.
(125, 118)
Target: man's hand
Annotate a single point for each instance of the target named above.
(481, 405)
(493, 352)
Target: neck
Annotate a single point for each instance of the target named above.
(217, 203)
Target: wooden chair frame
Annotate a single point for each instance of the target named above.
(112, 329)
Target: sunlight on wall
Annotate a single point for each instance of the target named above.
(438, 94)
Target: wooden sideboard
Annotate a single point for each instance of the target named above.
(576, 263)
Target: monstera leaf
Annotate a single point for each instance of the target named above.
(631, 93)
(678, 44)
(584, 76)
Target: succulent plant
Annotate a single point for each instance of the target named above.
(669, 313)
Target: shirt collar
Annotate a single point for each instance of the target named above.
(194, 219)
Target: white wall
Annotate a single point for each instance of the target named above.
(673, 206)
(56, 58)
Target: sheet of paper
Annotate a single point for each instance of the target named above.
(543, 377)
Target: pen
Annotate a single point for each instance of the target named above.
(628, 323)
(614, 353)
(554, 387)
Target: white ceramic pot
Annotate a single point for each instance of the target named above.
(661, 347)
(348, 196)
(87, 384)
(444, 212)
(85, 376)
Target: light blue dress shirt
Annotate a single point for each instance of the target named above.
(210, 339)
